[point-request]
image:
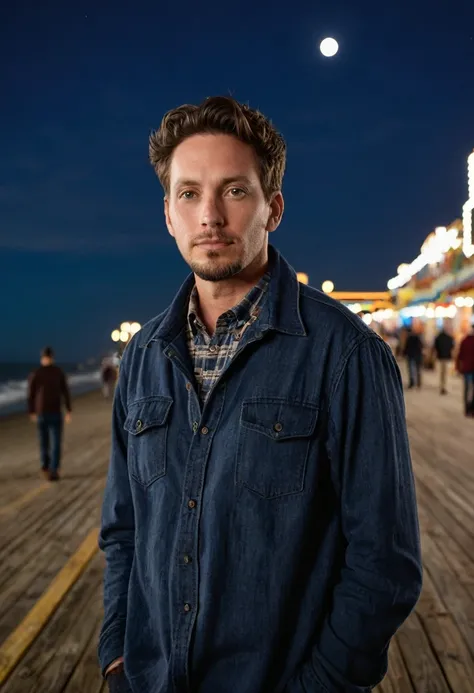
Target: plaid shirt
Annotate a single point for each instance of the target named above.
(211, 355)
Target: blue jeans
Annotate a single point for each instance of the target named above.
(469, 393)
(414, 372)
(50, 429)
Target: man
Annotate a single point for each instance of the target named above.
(259, 519)
(443, 348)
(465, 366)
(47, 388)
(414, 356)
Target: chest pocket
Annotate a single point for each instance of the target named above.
(274, 441)
(147, 424)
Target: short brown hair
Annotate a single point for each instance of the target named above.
(220, 114)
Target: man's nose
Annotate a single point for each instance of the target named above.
(211, 213)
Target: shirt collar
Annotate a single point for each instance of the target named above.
(281, 311)
(238, 315)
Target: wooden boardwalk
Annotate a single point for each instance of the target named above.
(48, 599)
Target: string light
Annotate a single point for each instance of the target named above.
(468, 210)
(436, 245)
(423, 311)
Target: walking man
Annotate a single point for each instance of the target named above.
(443, 348)
(465, 366)
(259, 521)
(47, 388)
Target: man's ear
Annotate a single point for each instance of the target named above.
(277, 206)
(169, 226)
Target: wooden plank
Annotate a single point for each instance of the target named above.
(462, 564)
(457, 600)
(451, 651)
(20, 640)
(445, 517)
(66, 508)
(87, 675)
(397, 678)
(56, 498)
(422, 664)
(24, 587)
(93, 465)
(71, 648)
(21, 501)
(51, 660)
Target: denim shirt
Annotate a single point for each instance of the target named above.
(266, 541)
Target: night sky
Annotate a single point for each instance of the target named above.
(377, 137)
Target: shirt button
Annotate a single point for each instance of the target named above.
(187, 559)
(195, 426)
(188, 386)
(204, 430)
(191, 504)
(278, 427)
(187, 608)
(213, 349)
(138, 425)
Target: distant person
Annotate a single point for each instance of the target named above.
(47, 390)
(109, 377)
(259, 521)
(443, 349)
(465, 366)
(413, 351)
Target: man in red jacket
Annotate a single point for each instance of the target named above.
(465, 365)
(47, 388)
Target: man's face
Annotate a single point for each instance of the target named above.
(216, 210)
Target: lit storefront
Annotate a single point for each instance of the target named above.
(438, 286)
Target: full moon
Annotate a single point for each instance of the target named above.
(329, 47)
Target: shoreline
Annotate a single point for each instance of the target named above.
(14, 416)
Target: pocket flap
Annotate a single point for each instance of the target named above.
(279, 419)
(147, 413)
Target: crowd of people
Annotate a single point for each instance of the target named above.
(446, 353)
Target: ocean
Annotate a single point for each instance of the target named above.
(14, 382)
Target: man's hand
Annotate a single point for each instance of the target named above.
(68, 417)
(114, 665)
(33, 418)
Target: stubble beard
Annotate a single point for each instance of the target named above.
(214, 273)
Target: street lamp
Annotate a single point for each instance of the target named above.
(328, 287)
(123, 335)
(302, 278)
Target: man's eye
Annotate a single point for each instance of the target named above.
(188, 194)
(237, 192)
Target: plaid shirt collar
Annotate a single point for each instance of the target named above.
(237, 316)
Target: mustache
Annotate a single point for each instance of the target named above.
(212, 238)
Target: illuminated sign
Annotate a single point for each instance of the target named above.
(468, 211)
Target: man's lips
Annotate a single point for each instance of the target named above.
(213, 244)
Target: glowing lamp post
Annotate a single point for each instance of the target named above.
(328, 287)
(123, 335)
(302, 278)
